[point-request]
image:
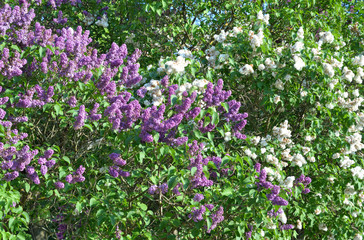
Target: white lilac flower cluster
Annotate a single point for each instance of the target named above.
(154, 90)
(129, 38)
(355, 145)
(297, 47)
(279, 84)
(227, 136)
(350, 196)
(102, 22)
(211, 56)
(359, 75)
(198, 83)
(89, 19)
(281, 156)
(236, 31)
(300, 33)
(358, 60)
(171, 67)
(325, 37)
(299, 64)
(352, 105)
(263, 17)
(256, 39)
(246, 69)
(221, 37)
(185, 54)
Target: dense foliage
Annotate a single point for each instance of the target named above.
(181, 119)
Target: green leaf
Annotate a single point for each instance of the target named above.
(225, 106)
(2, 45)
(42, 52)
(89, 127)
(172, 182)
(26, 216)
(193, 170)
(215, 118)
(93, 202)
(141, 156)
(65, 158)
(15, 47)
(58, 109)
(100, 213)
(164, 4)
(79, 206)
(143, 206)
(208, 220)
(21, 236)
(49, 193)
(11, 223)
(156, 137)
(27, 187)
(227, 192)
(207, 121)
(174, 99)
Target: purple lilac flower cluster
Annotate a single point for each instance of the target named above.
(222, 171)
(80, 119)
(72, 60)
(10, 66)
(76, 176)
(273, 196)
(115, 170)
(208, 128)
(163, 189)
(57, 3)
(286, 227)
(249, 233)
(237, 119)
(275, 189)
(199, 179)
(197, 214)
(176, 189)
(305, 181)
(13, 136)
(121, 114)
(214, 95)
(118, 232)
(60, 19)
(23, 158)
(44, 164)
(154, 189)
(27, 101)
(196, 160)
(272, 213)
(153, 118)
(217, 218)
(62, 228)
(198, 197)
(93, 115)
(75, 62)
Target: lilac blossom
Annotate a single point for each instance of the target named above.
(80, 119)
(217, 218)
(197, 213)
(198, 197)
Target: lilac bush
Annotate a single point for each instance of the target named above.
(112, 128)
(68, 98)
